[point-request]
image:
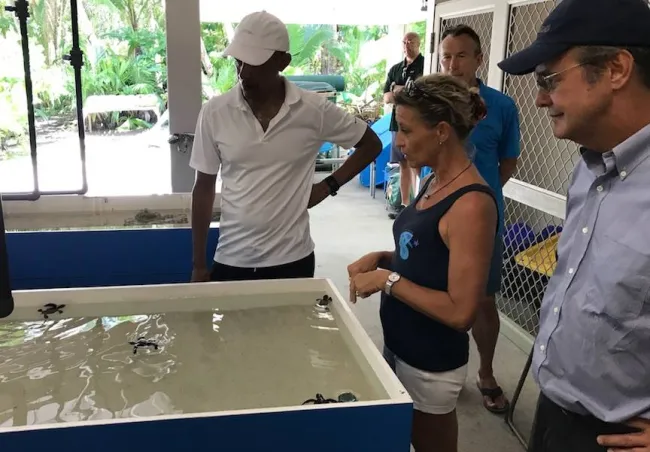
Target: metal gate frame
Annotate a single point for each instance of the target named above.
(20, 9)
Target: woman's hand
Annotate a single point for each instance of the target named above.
(366, 264)
(365, 284)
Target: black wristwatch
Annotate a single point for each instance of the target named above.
(332, 184)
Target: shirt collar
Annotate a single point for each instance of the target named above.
(292, 95)
(415, 60)
(624, 158)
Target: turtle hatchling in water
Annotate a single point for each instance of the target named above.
(51, 308)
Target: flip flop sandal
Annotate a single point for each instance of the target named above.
(493, 394)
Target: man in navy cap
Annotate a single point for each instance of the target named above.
(591, 60)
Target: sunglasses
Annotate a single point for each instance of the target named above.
(412, 90)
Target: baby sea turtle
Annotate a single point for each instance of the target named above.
(325, 300)
(322, 304)
(347, 397)
(320, 399)
(51, 308)
(142, 342)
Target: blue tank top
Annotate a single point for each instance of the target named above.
(422, 257)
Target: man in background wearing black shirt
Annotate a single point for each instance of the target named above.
(410, 68)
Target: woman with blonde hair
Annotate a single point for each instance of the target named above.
(434, 280)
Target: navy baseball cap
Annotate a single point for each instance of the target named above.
(616, 23)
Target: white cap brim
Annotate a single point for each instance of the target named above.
(253, 56)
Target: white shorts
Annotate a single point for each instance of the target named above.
(432, 392)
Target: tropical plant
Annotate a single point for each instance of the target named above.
(48, 24)
(7, 22)
(124, 48)
(307, 43)
(13, 115)
(364, 82)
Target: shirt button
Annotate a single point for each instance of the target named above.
(556, 310)
(571, 271)
(542, 348)
(623, 174)
(585, 230)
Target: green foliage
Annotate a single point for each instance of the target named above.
(13, 115)
(113, 73)
(214, 37)
(360, 79)
(225, 75)
(421, 29)
(7, 21)
(148, 50)
(129, 123)
(306, 44)
(124, 46)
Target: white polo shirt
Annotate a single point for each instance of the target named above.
(267, 177)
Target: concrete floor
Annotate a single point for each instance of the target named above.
(352, 224)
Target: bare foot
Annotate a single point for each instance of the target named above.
(493, 398)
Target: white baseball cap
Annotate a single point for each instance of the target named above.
(257, 37)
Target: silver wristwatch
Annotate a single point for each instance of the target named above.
(392, 279)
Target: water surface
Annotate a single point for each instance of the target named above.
(84, 368)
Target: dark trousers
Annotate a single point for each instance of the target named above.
(558, 430)
(303, 268)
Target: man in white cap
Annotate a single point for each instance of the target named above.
(264, 135)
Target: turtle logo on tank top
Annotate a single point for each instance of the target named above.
(406, 243)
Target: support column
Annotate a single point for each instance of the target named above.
(183, 82)
(430, 41)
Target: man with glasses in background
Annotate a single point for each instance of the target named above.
(591, 359)
(409, 69)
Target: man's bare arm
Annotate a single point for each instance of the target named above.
(389, 97)
(507, 168)
(366, 151)
(202, 204)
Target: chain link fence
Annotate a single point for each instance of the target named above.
(482, 25)
(546, 162)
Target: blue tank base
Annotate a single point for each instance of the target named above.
(102, 257)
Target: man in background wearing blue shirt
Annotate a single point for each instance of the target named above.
(494, 144)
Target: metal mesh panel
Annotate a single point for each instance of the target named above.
(522, 288)
(545, 161)
(482, 25)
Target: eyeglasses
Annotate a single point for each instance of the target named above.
(550, 82)
(411, 89)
